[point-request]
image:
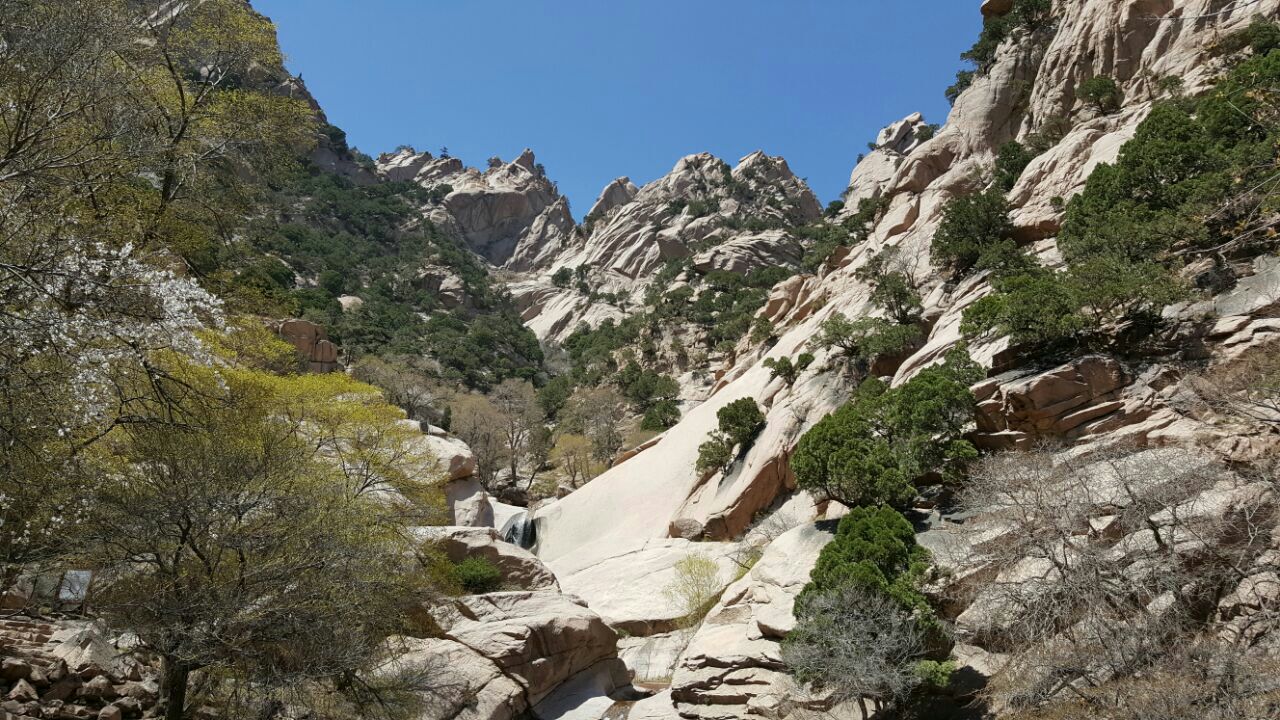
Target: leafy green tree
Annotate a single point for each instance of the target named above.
(646, 388)
(975, 233)
(562, 278)
(662, 415)
(893, 286)
(741, 421)
(1264, 36)
(1101, 93)
(872, 450)
(1036, 308)
(964, 79)
(762, 331)
(863, 625)
(865, 339)
(787, 369)
(256, 535)
(715, 454)
(874, 549)
(1011, 160)
(554, 394)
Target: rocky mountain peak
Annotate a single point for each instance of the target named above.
(526, 160)
(617, 193)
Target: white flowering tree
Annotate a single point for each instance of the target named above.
(118, 129)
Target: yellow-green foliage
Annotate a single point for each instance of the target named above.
(695, 588)
(257, 522)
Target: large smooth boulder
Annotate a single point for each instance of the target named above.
(312, 343)
(469, 504)
(539, 639)
(455, 458)
(627, 587)
(463, 683)
(519, 567)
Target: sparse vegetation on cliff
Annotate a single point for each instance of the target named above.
(1190, 184)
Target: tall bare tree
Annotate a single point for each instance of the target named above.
(522, 426)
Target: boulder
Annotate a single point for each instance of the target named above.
(12, 669)
(453, 455)
(469, 504)
(733, 666)
(312, 343)
(99, 687)
(539, 639)
(23, 692)
(464, 685)
(520, 568)
(145, 690)
(84, 646)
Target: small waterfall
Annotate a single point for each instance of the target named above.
(521, 531)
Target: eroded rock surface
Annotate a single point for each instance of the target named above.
(733, 667)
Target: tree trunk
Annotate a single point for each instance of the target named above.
(173, 688)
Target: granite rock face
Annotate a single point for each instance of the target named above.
(508, 214)
(733, 666)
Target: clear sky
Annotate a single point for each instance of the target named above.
(605, 88)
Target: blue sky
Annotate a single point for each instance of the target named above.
(604, 88)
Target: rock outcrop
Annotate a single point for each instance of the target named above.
(511, 213)
(703, 207)
(520, 569)
(501, 655)
(312, 343)
(733, 666)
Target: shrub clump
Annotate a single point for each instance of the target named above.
(1102, 94)
(740, 422)
(872, 450)
(477, 575)
(975, 234)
